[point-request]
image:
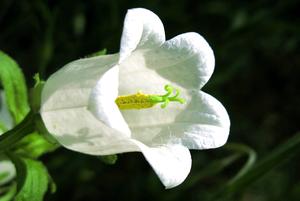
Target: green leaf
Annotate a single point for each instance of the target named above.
(34, 145)
(10, 191)
(32, 179)
(3, 175)
(13, 82)
(2, 128)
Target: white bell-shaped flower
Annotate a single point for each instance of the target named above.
(79, 101)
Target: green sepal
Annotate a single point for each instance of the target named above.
(98, 53)
(35, 94)
(109, 159)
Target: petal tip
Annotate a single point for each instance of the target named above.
(171, 163)
(142, 29)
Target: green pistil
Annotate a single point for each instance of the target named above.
(167, 98)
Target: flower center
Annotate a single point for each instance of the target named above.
(144, 101)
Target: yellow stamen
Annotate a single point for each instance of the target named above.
(135, 101)
(144, 101)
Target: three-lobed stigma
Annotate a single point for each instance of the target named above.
(144, 101)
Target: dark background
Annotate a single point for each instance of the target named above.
(256, 46)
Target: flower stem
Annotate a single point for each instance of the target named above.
(26, 126)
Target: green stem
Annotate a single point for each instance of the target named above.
(243, 149)
(26, 126)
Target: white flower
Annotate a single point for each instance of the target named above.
(79, 109)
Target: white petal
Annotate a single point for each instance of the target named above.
(79, 130)
(142, 29)
(204, 124)
(136, 75)
(186, 59)
(102, 101)
(64, 108)
(171, 163)
(71, 85)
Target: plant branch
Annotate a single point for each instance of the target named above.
(26, 126)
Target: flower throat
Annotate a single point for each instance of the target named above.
(144, 101)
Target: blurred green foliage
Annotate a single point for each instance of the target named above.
(256, 45)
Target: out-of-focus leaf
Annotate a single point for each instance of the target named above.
(217, 166)
(32, 179)
(9, 193)
(13, 82)
(281, 154)
(243, 149)
(52, 184)
(2, 128)
(7, 172)
(6, 121)
(3, 175)
(213, 168)
(274, 158)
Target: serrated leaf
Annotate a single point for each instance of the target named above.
(32, 179)
(13, 82)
